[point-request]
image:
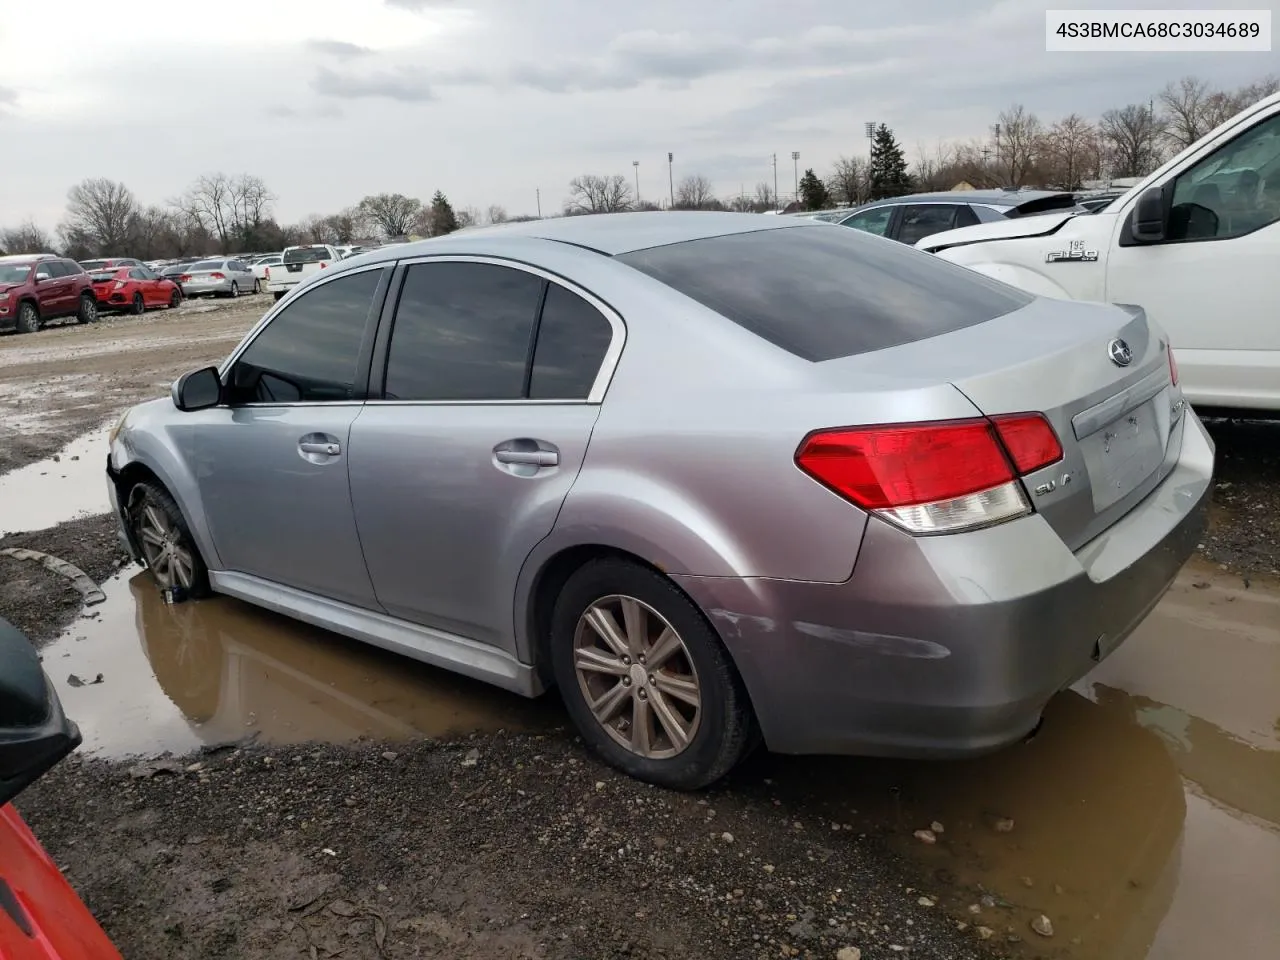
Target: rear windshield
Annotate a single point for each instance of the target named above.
(93, 264)
(14, 272)
(206, 265)
(102, 275)
(307, 255)
(824, 292)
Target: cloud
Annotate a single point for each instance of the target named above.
(8, 97)
(325, 111)
(407, 86)
(418, 5)
(338, 48)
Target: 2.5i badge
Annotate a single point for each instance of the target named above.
(1075, 252)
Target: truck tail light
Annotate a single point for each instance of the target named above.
(1173, 367)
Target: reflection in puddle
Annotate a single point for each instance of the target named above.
(46, 493)
(1146, 813)
(176, 677)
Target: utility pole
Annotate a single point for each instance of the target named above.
(795, 162)
(671, 179)
(538, 193)
(636, 164)
(775, 181)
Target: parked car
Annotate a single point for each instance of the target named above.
(705, 473)
(261, 267)
(41, 917)
(175, 270)
(298, 264)
(222, 277)
(134, 289)
(1196, 243)
(35, 289)
(911, 218)
(107, 262)
(1094, 201)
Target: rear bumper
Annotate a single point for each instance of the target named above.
(952, 645)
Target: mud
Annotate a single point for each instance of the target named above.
(66, 381)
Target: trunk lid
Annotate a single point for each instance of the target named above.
(1115, 421)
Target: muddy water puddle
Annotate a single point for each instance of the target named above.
(70, 484)
(176, 677)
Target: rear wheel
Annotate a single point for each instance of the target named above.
(88, 312)
(257, 286)
(646, 679)
(28, 317)
(166, 542)
(139, 306)
(175, 299)
(278, 295)
(235, 289)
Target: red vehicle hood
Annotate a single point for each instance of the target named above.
(41, 916)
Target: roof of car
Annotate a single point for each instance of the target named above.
(610, 233)
(1008, 198)
(28, 257)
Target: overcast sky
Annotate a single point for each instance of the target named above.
(488, 100)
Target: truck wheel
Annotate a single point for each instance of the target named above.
(278, 295)
(88, 312)
(28, 317)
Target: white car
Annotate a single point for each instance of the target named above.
(260, 266)
(1197, 244)
(298, 263)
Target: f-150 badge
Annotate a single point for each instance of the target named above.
(1075, 252)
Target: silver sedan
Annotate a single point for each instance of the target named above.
(719, 478)
(224, 278)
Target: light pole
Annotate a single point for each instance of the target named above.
(871, 142)
(795, 162)
(538, 193)
(671, 179)
(636, 164)
(775, 181)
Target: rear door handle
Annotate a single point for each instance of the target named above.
(537, 458)
(325, 449)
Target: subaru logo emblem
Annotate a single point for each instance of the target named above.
(1119, 353)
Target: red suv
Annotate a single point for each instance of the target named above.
(36, 288)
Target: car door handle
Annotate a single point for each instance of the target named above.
(537, 458)
(325, 449)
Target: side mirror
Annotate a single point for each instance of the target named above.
(41, 277)
(34, 733)
(197, 390)
(1150, 217)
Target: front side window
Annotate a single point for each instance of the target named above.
(871, 221)
(573, 337)
(1233, 191)
(462, 332)
(922, 221)
(309, 351)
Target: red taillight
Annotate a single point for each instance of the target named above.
(217, 276)
(934, 477)
(1173, 368)
(266, 273)
(185, 278)
(323, 264)
(1029, 440)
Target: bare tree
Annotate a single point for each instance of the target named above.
(466, 216)
(1020, 133)
(251, 202)
(766, 199)
(695, 192)
(208, 201)
(591, 193)
(26, 237)
(1186, 111)
(100, 213)
(1130, 137)
(496, 214)
(315, 228)
(1070, 152)
(346, 225)
(934, 169)
(847, 180)
(392, 213)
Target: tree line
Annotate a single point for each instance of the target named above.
(235, 214)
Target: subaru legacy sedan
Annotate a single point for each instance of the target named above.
(719, 478)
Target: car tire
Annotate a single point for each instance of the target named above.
(235, 289)
(28, 317)
(162, 534)
(139, 306)
(278, 296)
(175, 300)
(717, 730)
(257, 287)
(88, 310)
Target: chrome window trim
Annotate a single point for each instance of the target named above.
(604, 376)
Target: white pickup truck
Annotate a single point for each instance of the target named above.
(298, 263)
(1197, 244)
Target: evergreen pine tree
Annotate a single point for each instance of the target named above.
(889, 177)
(443, 219)
(813, 192)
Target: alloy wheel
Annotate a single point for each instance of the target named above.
(637, 677)
(170, 560)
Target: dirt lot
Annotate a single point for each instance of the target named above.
(329, 800)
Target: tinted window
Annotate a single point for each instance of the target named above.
(137, 274)
(872, 221)
(56, 268)
(462, 332)
(93, 264)
(205, 266)
(309, 351)
(572, 339)
(1233, 191)
(919, 222)
(307, 254)
(821, 293)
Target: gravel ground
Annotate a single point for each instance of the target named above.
(1244, 534)
(493, 847)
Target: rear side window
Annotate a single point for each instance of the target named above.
(573, 337)
(462, 332)
(309, 351)
(821, 293)
(925, 220)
